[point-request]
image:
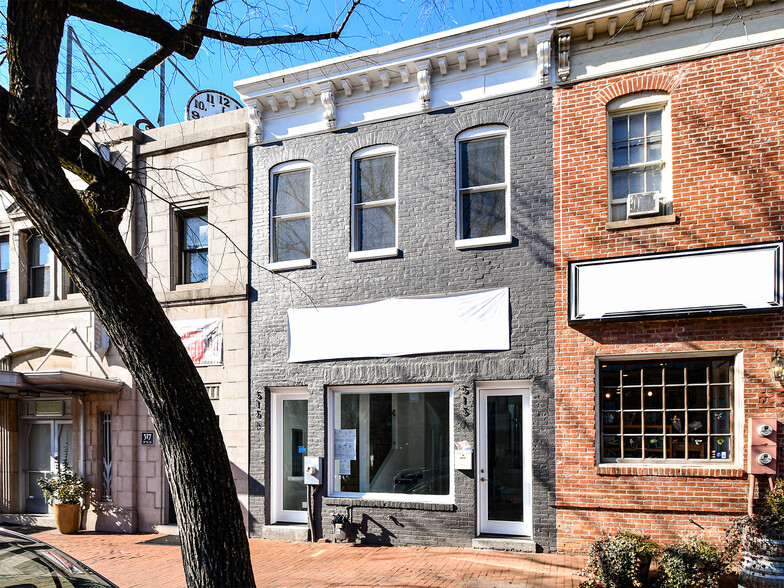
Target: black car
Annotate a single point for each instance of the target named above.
(26, 562)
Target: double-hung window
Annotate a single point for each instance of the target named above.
(660, 410)
(391, 440)
(374, 202)
(39, 262)
(290, 204)
(5, 260)
(483, 198)
(638, 148)
(193, 246)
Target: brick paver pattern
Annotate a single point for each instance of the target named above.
(130, 563)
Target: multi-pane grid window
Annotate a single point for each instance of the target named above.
(5, 260)
(290, 209)
(674, 409)
(38, 267)
(374, 199)
(193, 246)
(637, 160)
(482, 184)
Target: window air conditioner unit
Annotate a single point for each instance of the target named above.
(642, 204)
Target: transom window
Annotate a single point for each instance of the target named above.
(5, 260)
(193, 246)
(290, 209)
(483, 185)
(674, 409)
(638, 150)
(39, 261)
(391, 441)
(374, 199)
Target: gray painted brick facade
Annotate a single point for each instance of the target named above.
(429, 264)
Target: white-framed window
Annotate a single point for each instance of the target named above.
(290, 203)
(672, 410)
(193, 246)
(391, 442)
(374, 202)
(638, 153)
(483, 195)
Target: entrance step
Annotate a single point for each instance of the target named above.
(285, 532)
(166, 529)
(518, 544)
(28, 520)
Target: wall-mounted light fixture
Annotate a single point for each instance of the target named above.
(777, 366)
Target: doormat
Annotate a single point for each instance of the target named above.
(163, 540)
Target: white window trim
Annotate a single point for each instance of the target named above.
(642, 102)
(366, 153)
(738, 417)
(390, 389)
(306, 262)
(506, 238)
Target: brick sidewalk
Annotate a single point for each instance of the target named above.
(130, 561)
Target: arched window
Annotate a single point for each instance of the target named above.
(483, 199)
(638, 154)
(290, 202)
(374, 202)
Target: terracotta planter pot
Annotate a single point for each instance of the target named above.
(67, 517)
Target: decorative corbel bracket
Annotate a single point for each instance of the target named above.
(423, 79)
(256, 122)
(543, 50)
(327, 90)
(564, 39)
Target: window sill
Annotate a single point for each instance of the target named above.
(650, 221)
(278, 266)
(191, 286)
(671, 471)
(374, 254)
(483, 242)
(384, 503)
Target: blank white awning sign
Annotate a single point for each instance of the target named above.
(472, 321)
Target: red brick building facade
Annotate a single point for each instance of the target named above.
(724, 170)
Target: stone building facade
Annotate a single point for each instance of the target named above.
(62, 383)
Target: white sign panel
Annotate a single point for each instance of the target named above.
(474, 321)
(203, 339)
(723, 280)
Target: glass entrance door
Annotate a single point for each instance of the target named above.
(45, 440)
(504, 465)
(289, 445)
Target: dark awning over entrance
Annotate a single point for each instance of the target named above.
(16, 384)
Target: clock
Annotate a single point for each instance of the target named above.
(209, 102)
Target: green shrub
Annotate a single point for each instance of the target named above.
(692, 563)
(65, 487)
(617, 562)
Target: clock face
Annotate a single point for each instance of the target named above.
(209, 102)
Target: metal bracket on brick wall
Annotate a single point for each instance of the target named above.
(256, 130)
(328, 101)
(543, 57)
(423, 79)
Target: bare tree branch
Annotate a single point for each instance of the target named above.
(279, 39)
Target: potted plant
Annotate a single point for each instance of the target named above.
(622, 561)
(761, 538)
(65, 492)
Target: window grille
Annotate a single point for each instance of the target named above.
(106, 452)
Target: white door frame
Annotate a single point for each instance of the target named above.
(55, 430)
(484, 525)
(277, 513)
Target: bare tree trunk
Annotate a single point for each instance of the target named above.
(81, 229)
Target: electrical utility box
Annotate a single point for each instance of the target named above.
(312, 470)
(763, 446)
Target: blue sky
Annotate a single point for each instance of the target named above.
(375, 23)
